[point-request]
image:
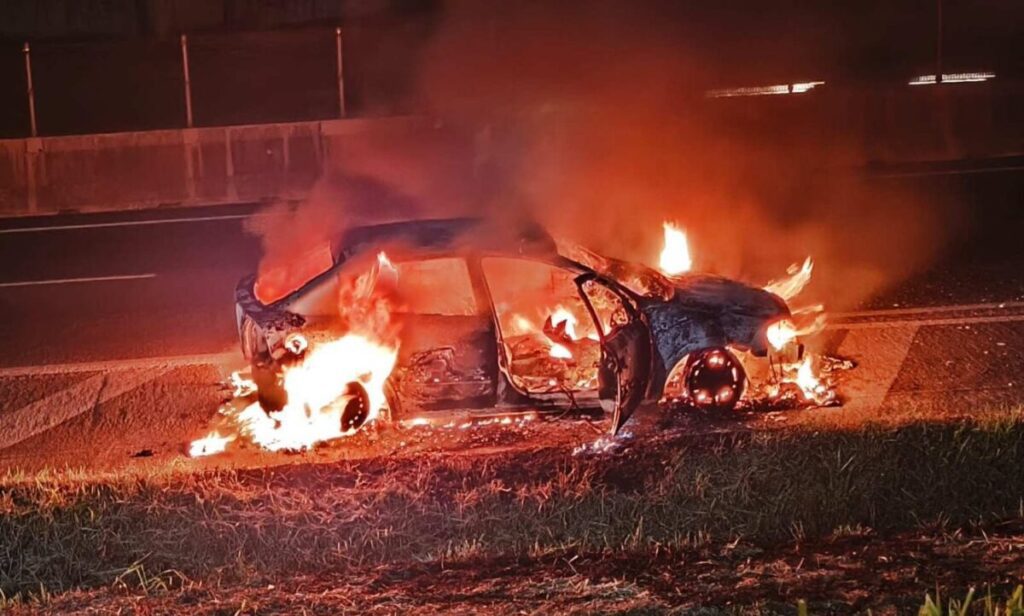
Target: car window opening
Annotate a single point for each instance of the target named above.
(549, 339)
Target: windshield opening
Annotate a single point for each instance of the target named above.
(278, 280)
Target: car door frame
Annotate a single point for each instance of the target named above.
(627, 354)
(521, 397)
(483, 312)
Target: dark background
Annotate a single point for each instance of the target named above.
(114, 65)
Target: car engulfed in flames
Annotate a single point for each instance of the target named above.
(408, 321)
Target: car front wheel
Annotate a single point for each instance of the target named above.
(270, 391)
(714, 379)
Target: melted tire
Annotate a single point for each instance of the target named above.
(270, 392)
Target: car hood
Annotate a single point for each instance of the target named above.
(705, 292)
(707, 311)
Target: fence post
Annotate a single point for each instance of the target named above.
(189, 149)
(286, 131)
(188, 80)
(33, 163)
(31, 89)
(341, 73)
(229, 166)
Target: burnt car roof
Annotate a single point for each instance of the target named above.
(447, 235)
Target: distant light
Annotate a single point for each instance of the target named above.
(754, 91)
(800, 88)
(792, 88)
(925, 80)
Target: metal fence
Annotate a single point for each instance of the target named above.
(234, 78)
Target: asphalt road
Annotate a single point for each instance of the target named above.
(117, 328)
(119, 286)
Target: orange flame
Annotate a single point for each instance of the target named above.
(317, 385)
(791, 286)
(675, 254)
(780, 333)
(385, 264)
(562, 314)
(559, 352)
(811, 386)
(316, 394)
(210, 444)
(784, 331)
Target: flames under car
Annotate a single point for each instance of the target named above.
(507, 320)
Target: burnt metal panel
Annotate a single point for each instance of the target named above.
(710, 311)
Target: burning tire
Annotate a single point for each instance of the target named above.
(713, 379)
(355, 407)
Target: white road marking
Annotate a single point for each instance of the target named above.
(59, 407)
(923, 322)
(879, 355)
(125, 223)
(948, 172)
(883, 312)
(173, 361)
(37, 283)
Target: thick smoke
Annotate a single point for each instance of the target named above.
(595, 121)
(591, 117)
(382, 171)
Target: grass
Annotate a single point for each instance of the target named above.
(63, 532)
(987, 606)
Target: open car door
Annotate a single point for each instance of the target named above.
(625, 370)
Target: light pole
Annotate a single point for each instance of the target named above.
(938, 41)
(188, 80)
(341, 73)
(30, 89)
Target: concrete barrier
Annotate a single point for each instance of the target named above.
(199, 166)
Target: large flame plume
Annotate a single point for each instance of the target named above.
(318, 379)
(317, 394)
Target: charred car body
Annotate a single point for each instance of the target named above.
(510, 321)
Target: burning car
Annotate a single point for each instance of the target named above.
(446, 315)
